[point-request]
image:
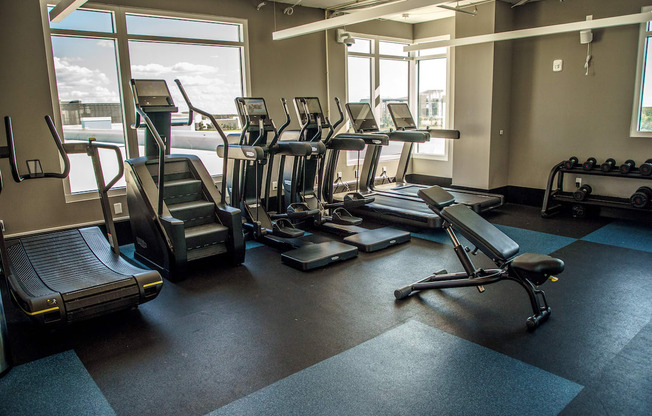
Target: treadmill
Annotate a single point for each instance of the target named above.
(71, 275)
(399, 201)
(403, 120)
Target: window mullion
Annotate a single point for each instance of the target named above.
(124, 69)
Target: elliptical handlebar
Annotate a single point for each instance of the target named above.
(285, 125)
(192, 108)
(13, 162)
(337, 123)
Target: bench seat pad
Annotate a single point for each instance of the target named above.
(480, 232)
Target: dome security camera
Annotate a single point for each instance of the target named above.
(344, 37)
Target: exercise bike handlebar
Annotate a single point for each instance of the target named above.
(13, 163)
(192, 108)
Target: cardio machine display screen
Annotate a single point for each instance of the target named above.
(362, 117)
(401, 116)
(152, 93)
(255, 106)
(314, 108)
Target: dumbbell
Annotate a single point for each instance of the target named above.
(589, 164)
(641, 198)
(646, 168)
(582, 193)
(627, 167)
(571, 163)
(609, 164)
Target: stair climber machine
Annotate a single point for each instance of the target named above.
(300, 177)
(401, 203)
(257, 148)
(71, 275)
(177, 214)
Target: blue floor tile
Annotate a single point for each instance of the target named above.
(55, 385)
(413, 369)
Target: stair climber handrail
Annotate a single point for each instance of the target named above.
(219, 131)
(13, 163)
(161, 153)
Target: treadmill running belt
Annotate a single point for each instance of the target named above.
(471, 198)
(403, 204)
(65, 263)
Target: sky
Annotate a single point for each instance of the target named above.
(86, 68)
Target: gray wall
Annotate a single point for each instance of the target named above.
(558, 114)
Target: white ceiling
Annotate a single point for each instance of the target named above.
(424, 14)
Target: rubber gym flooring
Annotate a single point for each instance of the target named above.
(266, 339)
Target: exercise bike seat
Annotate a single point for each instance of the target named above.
(538, 264)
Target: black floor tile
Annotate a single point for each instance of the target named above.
(529, 218)
(226, 332)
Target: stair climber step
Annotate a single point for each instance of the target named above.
(193, 213)
(206, 240)
(183, 190)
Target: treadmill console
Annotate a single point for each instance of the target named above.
(401, 116)
(362, 117)
(314, 109)
(253, 109)
(152, 93)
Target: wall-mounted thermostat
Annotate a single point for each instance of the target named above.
(557, 65)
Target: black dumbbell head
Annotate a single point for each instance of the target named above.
(608, 165)
(646, 168)
(641, 198)
(582, 192)
(627, 166)
(571, 162)
(589, 164)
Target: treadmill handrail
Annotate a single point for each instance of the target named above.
(13, 163)
(219, 131)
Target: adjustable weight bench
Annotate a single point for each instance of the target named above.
(528, 270)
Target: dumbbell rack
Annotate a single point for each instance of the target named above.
(558, 195)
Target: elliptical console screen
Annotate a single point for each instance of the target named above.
(362, 117)
(152, 93)
(314, 108)
(401, 116)
(253, 108)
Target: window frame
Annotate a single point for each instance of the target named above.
(374, 93)
(413, 84)
(644, 35)
(448, 119)
(122, 38)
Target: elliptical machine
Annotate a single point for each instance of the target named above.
(299, 180)
(260, 145)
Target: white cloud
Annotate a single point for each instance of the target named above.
(206, 86)
(76, 82)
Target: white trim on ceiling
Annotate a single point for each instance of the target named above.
(537, 31)
(365, 15)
